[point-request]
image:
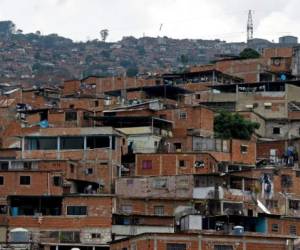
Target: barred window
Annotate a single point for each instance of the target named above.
(293, 230)
(176, 246)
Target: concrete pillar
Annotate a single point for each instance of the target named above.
(58, 148)
(46, 247)
(221, 207)
(84, 147)
(155, 243)
(236, 93)
(110, 165)
(23, 146)
(84, 143)
(200, 242)
(243, 184)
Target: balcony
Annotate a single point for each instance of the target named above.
(208, 193)
(127, 230)
(231, 194)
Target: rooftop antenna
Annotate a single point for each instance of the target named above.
(249, 26)
(160, 27)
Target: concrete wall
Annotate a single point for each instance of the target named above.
(168, 164)
(194, 241)
(288, 129)
(179, 186)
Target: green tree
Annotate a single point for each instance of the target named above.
(233, 126)
(104, 34)
(249, 53)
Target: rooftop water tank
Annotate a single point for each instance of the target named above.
(238, 230)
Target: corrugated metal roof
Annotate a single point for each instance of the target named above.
(11, 91)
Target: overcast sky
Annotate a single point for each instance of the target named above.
(203, 19)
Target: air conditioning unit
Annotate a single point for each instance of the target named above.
(199, 164)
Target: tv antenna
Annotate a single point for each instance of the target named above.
(249, 26)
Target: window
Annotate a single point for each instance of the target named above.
(71, 116)
(41, 143)
(297, 173)
(182, 184)
(70, 237)
(177, 146)
(97, 142)
(294, 204)
(160, 183)
(96, 103)
(3, 209)
(24, 180)
(86, 115)
(276, 131)
(126, 209)
(4, 165)
(96, 235)
(199, 164)
(159, 210)
(182, 115)
(146, 164)
(244, 149)
(76, 210)
(223, 247)
(176, 246)
(272, 203)
(181, 163)
(89, 171)
(275, 228)
(71, 143)
(72, 168)
(1, 180)
(198, 96)
(293, 230)
(57, 181)
(27, 165)
(286, 181)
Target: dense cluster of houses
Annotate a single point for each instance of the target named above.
(133, 163)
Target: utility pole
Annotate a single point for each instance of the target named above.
(249, 26)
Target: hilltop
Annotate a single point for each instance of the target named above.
(39, 59)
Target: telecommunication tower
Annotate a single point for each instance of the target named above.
(249, 26)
